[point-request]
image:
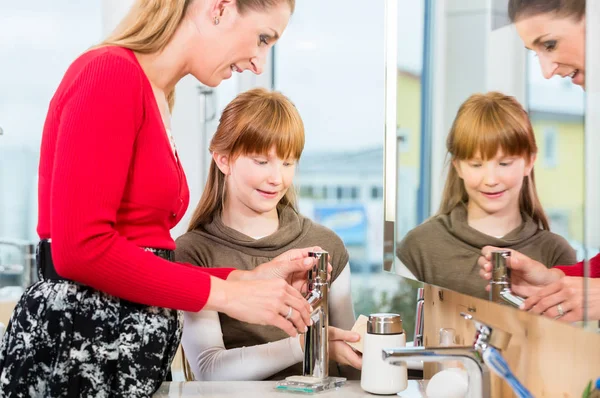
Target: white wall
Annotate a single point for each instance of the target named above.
(112, 12)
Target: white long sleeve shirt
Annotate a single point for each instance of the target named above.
(209, 359)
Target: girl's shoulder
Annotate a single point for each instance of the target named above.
(192, 247)
(430, 228)
(315, 234)
(556, 249)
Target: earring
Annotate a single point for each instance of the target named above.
(216, 20)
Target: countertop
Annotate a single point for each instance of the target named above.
(266, 389)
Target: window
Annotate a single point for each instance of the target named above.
(550, 147)
(376, 192)
(306, 192)
(347, 193)
(556, 110)
(341, 100)
(403, 136)
(39, 40)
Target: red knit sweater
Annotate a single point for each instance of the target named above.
(110, 184)
(577, 269)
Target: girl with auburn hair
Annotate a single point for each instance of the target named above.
(248, 215)
(489, 199)
(104, 319)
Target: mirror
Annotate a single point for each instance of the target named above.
(469, 48)
(592, 164)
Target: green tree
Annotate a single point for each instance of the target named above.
(403, 301)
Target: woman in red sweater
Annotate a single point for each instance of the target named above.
(555, 30)
(105, 318)
(554, 292)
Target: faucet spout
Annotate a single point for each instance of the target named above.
(469, 357)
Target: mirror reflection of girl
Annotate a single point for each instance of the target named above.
(489, 199)
(247, 215)
(555, 31)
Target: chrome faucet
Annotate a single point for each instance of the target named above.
(316, 342)
(500, 287)
(471, 357)
(419, 319)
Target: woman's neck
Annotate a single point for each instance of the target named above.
(166, 67)
(162, 71)
(496, 224)
(249, 222)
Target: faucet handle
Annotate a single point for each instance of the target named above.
(321, 267)
(487, 335)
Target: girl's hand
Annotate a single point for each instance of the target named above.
(339, 351)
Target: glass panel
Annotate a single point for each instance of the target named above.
(333, 70)
(556, 108)
(38, 41)
(592, 163)
(413, 100)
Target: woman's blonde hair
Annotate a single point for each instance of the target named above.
(253, 123)
(150, 25)
(485, 124)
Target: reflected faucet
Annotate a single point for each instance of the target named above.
(419, 319)
(500, 286)
(316, 341)
(471, 357)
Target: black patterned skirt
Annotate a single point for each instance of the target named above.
(69, 340)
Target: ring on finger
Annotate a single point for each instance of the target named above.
(289, 314)
(560, 311)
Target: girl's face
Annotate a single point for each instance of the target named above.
(494, 185)
(559, 42)
(256, 183)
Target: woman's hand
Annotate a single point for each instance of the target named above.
(291, 266)
(263, 302)
(339, 351)
(563, 300)
(527, 276)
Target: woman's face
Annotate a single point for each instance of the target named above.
(237, 43)
(559, 42)
(494, 185)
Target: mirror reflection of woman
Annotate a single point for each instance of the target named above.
(555, 30)
(247, 215)
(489, 198)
